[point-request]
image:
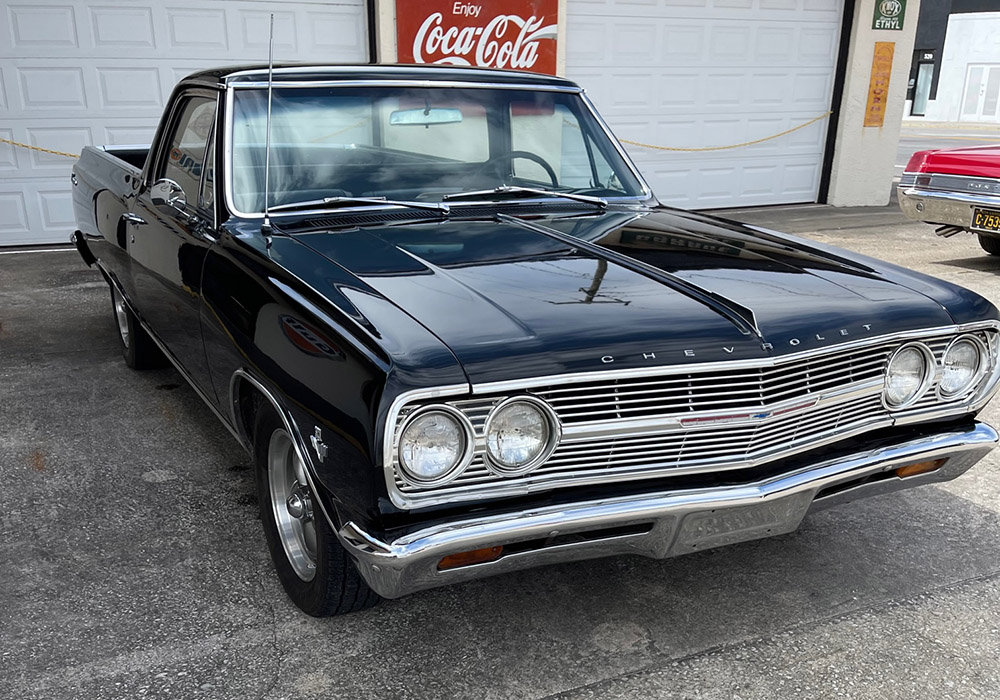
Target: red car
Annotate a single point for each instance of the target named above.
(956, 190)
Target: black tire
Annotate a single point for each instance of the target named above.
(990, 244)
(336, 587)
(138, 349)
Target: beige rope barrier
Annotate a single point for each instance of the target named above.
(633, 143)
(39, 148)
(735, 145)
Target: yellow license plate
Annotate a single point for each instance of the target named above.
(985, 220)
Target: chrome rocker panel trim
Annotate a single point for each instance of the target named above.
(679, 521)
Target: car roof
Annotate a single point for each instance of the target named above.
(305, 72)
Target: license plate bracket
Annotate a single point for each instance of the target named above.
(985, 220)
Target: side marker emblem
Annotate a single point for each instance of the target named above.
(318, 445)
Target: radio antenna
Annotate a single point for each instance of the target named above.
(265, 226)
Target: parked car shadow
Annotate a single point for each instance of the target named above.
(981, 263)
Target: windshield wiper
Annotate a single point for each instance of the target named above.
(335, 202)
(514, 189)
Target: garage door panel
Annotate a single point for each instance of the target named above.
(231, 30)
(785, 10)
(704, 43)
(123, 27)
(14, 227)
(725, 72)
(713, 131)
(132, 88)
(42, 28)
(68, 138)
(47, 88)
(709, 185)
(128, 135)
(35, 207)
(76, 73)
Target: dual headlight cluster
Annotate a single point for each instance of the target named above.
(438, 442)
(912, 369)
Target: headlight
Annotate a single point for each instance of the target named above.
(908, 375)
(963, 367)
(520, 434)
(435, 445)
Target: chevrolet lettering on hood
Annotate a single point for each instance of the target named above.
(794, 342)
(459, 336)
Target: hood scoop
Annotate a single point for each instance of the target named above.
(741, 316)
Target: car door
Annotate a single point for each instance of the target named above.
(173, 226)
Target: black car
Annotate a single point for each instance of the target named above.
(460, 336)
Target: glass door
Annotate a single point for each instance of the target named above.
(922, 92)
(982, 94)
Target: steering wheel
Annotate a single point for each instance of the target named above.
(511, 155)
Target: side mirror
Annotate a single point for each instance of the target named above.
(166, 192)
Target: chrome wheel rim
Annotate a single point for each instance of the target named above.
(291, 503)
(121, 313)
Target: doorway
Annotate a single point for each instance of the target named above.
(982, 93)
(922, 90)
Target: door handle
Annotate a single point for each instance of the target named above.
(134, 219)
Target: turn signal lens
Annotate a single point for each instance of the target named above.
(917, 162)
(476, 556)
(919, 468)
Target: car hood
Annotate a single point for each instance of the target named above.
(515, 298)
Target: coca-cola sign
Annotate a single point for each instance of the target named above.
(511, 34)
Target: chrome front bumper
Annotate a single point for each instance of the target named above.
(942, 206)
(657, 525)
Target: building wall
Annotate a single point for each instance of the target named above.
(971, 38)
(864, 156)
(931, 27)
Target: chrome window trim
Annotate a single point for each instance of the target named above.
(904, 416)
(554, 437)
(231, 88)
(467, 453)
(931, 371)
(647, 191)
(417, 82)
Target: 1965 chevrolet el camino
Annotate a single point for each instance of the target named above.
(460, 336)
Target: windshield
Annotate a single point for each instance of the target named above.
(418, 144)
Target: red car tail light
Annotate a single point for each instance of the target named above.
(917, 162)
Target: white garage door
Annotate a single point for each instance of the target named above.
(699, 73)
(86, 72)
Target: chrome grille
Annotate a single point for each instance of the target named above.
(789, 407)
(714, 391)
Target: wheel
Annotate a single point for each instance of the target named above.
(138, 349)
(990, 244)
(315, 571)
(511, 155)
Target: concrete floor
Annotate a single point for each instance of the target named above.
(132, 563)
